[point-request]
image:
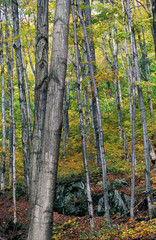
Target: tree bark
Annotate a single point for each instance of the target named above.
(41, 81)
(101, 143)
(89, 197)
(133, 56)
(40, 227)
(3, 108)
(65, 120)
(9, 75)
(22, 95)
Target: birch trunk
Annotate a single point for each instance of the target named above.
(40, 227)
(13, 144)
(130, 27)
(87, 13)
(22, 95)
(3, 109)
(143, 119)
(101, 143)
(9, 74)
(89, 197)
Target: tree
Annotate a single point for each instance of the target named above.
(3, 109)
(41, 223)
(89, 197)
(22, 95)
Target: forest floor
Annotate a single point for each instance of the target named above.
(69, 227)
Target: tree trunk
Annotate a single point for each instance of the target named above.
(3, 109)
(101, 143)
(133, 56)
(143, 118)
(89, 197)
(154, 22)
(40, 227)
(87, 13)
(9, 75)
(41, 81)
(65, 120)
(22, 95)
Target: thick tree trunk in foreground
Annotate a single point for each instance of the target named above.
(89, 197)
(40, 227)
(101, 140)
(22, 95)
(3, 109)
(41, 81)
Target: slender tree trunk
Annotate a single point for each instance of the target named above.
(65, 120)
(28, 94)
(30, 60)
(40, 227)
(3, 109)
(143, 118)
(87, 122)
(154, 22)
(13, 144)
(89, 197)
(87, 13)
(101, 143)
(22, 95)
(142, 45)
(9, 74)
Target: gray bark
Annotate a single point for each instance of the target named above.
(3, 108)
(13, 145)
(65, 120)
(133, 56)
(142, 45)
(41, 223)
(87, 13)
(28, 94)
(9, 75)
(101, 142)
(143, 119)
(89, 197)
(22, 95)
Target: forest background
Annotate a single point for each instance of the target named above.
(108, 28)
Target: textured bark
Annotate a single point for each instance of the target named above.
(3, 108)
(89, 197)
(41, 81)
(41, 223)
(22, 95)
(101, 142)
